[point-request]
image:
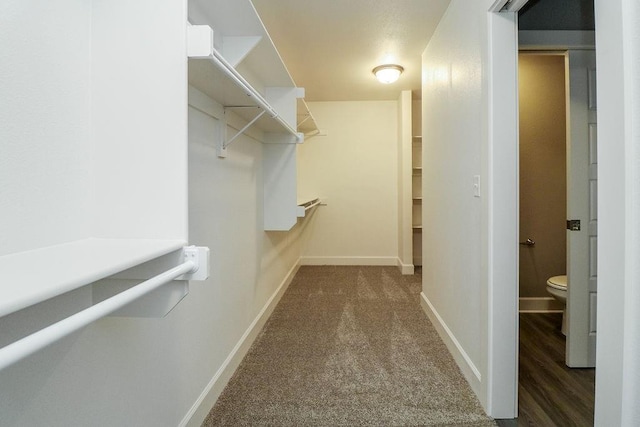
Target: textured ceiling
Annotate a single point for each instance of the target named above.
(331, 46)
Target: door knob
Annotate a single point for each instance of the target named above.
(528, 242)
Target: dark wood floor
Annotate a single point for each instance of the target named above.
(550, 394)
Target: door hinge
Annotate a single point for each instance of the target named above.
(573, 224)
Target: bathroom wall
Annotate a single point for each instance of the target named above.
(355, 169)
(542, 170)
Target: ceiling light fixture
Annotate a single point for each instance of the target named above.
(388, 73)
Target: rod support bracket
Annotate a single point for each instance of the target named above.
(199, 255)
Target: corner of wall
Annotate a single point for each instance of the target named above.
(405, 269)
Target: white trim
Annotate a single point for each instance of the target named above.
(550, 40)
(507, 5)
(500, 396)
(405, 269)
(201, 407)
(347, 260)
(498, 5)
(540, 305)
(468, 368)
(617, 59)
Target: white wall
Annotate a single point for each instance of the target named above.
(355, 168)
(45, 106)
(144, 372)
(453, 104)
(248, 264)
(470, 243)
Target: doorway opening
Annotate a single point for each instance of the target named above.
(553, 104)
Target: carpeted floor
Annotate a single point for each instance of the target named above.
(348, 346)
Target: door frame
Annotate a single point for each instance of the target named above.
(619, 211)
(579, 353)
(501, 239)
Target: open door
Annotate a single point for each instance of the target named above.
(582, 221)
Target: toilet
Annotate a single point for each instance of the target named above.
(557, 287)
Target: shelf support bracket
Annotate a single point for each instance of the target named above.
(222, 148)
(306, 117)
(241, 131)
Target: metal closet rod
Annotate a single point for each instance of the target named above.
(219, 61)
(30, 344)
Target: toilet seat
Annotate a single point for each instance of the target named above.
(558, 282)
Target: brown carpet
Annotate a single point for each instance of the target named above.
(348, 346)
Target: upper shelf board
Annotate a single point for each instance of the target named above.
(214, 75)
(238, 18)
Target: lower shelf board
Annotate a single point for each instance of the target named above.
(305, 204)
(34, 276)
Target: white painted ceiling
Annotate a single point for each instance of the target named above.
(331, 46)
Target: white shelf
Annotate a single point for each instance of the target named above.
(234, 22)
(417, 186)
(305, 204)
(35, 276)
(216, 83)
(97, 144)
(233, 62)
(222, 83)
(242, 51)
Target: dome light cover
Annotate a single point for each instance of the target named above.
(388, 73)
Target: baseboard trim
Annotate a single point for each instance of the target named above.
(212, 391)
(466, 365)
(539, 305)
(405, 269)
(319, 260)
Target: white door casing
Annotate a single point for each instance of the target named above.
(582, 206)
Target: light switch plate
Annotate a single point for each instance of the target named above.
(476, 186)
